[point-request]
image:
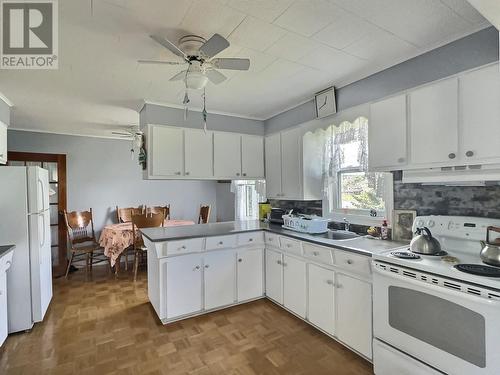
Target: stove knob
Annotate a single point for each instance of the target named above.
(420, 223)
(431, 223)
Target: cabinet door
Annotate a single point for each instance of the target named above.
(387, 134)
(3, 143)
(227, 155)
(273, 165)
(250, 276)
(354, 314)
(274, 275)
(480, 114)
(434, 123)
(167, 151)
(184, 281)
(220, 279)
(252, 156)
(291, 165)
(198, 153)
(321, 300)
(294, 285)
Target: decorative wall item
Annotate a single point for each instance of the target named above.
(402, 224)
(325, 103)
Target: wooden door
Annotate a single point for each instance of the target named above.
(227, 155)
(198, 153)
(252, 156)
(274, 275)
(273, 165)
(56, 166)
(249, 274)
(434, 123)
(321, 299)
(220, 279)
(167, 151)
(479, 93)
(387, 134)
(354, 313)
(294, 285)
(291, 163)
(184, 285)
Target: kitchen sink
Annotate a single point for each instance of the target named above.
(338, 235)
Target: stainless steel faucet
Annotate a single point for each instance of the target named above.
(347, 225)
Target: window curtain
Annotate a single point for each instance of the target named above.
(248, 194)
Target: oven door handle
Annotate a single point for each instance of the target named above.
(437, 288)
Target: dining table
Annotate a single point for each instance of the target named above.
(117, 238)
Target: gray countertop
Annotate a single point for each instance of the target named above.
(363, 245)
(5, 249)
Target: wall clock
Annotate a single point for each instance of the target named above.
(325, 103)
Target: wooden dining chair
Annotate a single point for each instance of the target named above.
(143, 221)
(124, 215)
(82, 241)
(204, 215)
(159, 209)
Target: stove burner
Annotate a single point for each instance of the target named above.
(440, 254)
(405, 255)
(479, 269)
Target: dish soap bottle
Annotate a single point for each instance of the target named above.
(384, 231)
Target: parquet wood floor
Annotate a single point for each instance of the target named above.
(106, 326)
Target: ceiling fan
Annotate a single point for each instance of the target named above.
(200, 54)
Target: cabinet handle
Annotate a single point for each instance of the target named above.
(338, 286)
(278, 261)
(285, 264)
(196, 268)
(178, 173)
(237, 174)
(183, 247)
(187, 173)
(315, 253)
(250, 239)
(206, 266)
(469, 154)
(401, 160)
(221, 243)
(452, 155)
(350, 261)
(244, 174)
(288, 245)
(329, 282)
(240, 260)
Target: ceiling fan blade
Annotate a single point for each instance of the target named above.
(179, 76)
(160, 62)
(169, 45)
(231, 63)
(214, 45)
(215, 77)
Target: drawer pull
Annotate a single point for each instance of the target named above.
(221, 243)
(196, 268)
(240, 260)
(206, 265)
(350, 261)
(183, 247)
(315, 253)
(278, 261)
(329, 282)
(250, 239)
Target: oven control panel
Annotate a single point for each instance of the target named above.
(466, 227)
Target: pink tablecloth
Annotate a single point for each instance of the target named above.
(115, 238)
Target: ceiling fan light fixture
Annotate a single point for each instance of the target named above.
(196, 80)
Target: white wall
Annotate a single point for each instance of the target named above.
(101, 175)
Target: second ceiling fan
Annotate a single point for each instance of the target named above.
(200, 54)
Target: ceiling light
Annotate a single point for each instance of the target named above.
(196, 80)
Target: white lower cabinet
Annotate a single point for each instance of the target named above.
(249, 270)
(321, 301)
(184, 285)
(274, 275)
(354, 313)
(294, 285)
(220, 277)
(3, 307)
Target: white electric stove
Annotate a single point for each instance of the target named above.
(430, 317)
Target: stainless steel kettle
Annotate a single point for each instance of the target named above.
(490, 253)
(424, 243)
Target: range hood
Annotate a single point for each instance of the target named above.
(463, 175)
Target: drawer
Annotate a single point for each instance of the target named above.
(250, 238)
(220, 242)
(272, 239)
(318, 253)
(352, 262)
(291, 246)
(193, 245)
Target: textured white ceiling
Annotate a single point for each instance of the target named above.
(296, 47)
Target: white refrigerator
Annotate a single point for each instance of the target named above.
(25, 222)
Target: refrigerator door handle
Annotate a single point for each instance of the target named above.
(43, 194)
(43, 230)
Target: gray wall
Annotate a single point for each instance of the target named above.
(471, 51)
(162, 115)
(101, 175)
(4, 113)
(225, 201)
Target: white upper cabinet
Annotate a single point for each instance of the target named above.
(273, 166)
(3, 143)
(291, 163)
(227, 155)
(433, 123)
(479, 103)
(252, 156)
(167, 151)
(387, 134)
(198, 153)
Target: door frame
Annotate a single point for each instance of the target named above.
(60, 159)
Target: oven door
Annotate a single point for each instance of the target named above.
(443, 325)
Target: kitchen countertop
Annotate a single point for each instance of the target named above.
(6, 249)
(364, 245)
